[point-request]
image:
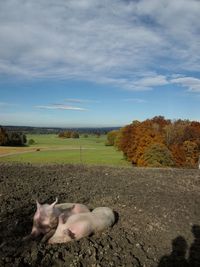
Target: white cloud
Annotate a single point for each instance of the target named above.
(149, 82)
(80, 101)
(193, 84)
(7, 105)
(135, 100)
(99, 41)
(61, 107)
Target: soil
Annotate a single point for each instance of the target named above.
(157, 222)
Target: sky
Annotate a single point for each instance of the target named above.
(98, 63)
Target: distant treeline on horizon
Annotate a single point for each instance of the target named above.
(57, 130)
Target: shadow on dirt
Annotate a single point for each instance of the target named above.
(177, 258)
(194, 253)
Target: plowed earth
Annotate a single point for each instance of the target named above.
(158, 222)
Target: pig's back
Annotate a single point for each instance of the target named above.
(78, 208)
(80, 217)
(103, 217)
(64, 206)
(97, 220)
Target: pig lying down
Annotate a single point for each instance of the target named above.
(46, 216)
(82, 224)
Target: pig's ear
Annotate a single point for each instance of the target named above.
(73, 207)
(38, 204)
(54, 203)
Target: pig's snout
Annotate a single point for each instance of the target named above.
(34, 233)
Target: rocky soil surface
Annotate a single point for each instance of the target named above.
(158, 222)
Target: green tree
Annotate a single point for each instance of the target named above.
(156, 155)
(16, 139)
(11, 138)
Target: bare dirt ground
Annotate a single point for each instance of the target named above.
(158, 215)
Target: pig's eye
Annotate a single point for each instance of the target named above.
(42, 224)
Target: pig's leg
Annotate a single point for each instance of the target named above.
(27, 238)
(70, 233)
(78, 230)
(48, 235)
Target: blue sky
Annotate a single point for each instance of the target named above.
(93, 63)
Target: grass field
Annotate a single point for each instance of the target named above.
(49, 148)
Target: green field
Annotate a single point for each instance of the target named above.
(51, 149)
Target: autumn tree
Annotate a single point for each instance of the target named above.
(61, 135)
(74, 135)
(3, 136)
(174, 132)
(191, 153)
(147, 133)
(65, 134)
(136, 137)
(125, 138)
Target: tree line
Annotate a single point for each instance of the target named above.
(75, 134)
(8, 138)
(56, 130)
(159, 142)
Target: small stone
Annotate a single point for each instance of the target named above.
(138, 245)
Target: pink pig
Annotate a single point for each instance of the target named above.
(82, 225)
(46, 216)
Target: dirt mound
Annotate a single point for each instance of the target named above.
(158, 210)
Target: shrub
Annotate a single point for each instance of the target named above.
(31, 142)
